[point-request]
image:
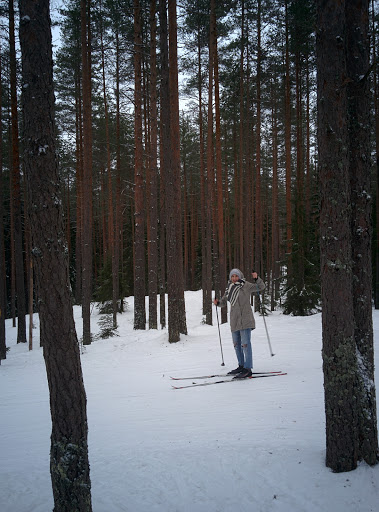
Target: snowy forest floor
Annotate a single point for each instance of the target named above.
(255, 445)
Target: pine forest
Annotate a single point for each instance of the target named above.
(149, 147)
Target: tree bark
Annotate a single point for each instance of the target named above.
(139, 219)
(69, 464)
(16, 188)
(358, 91)
(87, 224)
(176, 305)
(342, 63)
(3, 349)
(287, 123)
(153, 199)
(220, 193)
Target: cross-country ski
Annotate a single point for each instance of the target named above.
(221, 375)
(232, 379)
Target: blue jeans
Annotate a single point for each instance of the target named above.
(242, 346)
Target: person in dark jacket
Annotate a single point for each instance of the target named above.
(238, 293)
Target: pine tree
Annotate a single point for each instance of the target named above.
(69, 464)
(342, 64)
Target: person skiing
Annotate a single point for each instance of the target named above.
(238, 293)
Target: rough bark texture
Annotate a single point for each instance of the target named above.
(335, 233)
(139, 218)
(87, 225)
(287, 122)
(175, 281)
(16, 188)
(3, 350)
(153, 199)
(358, 91)
(351, 432)
(69, 464)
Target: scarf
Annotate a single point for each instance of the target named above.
(232, 291)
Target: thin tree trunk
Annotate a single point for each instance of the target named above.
(220, 193)
(153, 201)
(240, 203)
(287, 128)
(79, 189)
(139, 220)
(164, 153)
(16, 187)
(69, 464)
(87, 255)
(176, 305)
(3, 349)
(258, 207)
(210, 176)
(118, 219)
(275, 210)
(202, 184)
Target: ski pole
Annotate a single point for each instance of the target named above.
(219, 335)
(264, 320)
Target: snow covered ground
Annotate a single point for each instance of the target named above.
(255, 445)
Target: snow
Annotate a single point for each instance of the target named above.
(256, 445)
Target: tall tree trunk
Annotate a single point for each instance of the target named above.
(287, 128)
(376, 110)
(164, 153)
(153, 199)
(69, 464)
(79, 189)
(3, 350)
(335, 235)
(299, 203)
(118, 219)
(209, 184)
(202, 183)
(275, 201)
(258, 207)
(342, 62)
(241, 167)
(87, 223)
(358, 91)
(175, 284)
(16, 187)
(139, 220)
(220, 193)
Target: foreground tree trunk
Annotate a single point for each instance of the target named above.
(358, 90)
(69, 464)
(347, 365)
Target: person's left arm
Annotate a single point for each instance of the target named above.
(258, 284)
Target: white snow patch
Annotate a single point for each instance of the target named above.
(251, 445)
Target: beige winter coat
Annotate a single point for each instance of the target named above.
(241, 314)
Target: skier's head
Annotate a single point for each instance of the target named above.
(235, 272)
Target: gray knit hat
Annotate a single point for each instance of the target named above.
(237, 272)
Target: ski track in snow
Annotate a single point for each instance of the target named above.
(256, 445)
